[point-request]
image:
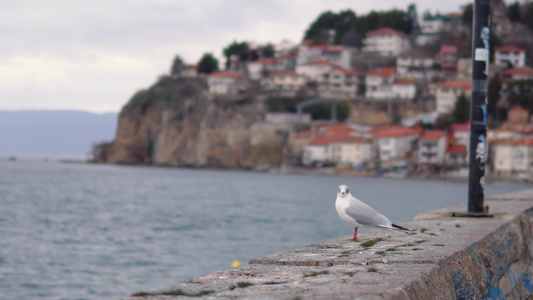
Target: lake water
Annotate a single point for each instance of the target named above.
(79, 231)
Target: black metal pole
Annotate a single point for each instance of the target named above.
(478, 107)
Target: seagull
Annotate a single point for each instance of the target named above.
(359, 214)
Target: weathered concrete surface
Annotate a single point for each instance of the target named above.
(441, 258)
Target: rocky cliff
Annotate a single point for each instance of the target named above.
(175, 122)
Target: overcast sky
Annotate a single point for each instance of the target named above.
(93, 55)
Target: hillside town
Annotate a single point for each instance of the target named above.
(408, 95)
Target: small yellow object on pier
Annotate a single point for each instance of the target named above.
(236, 264)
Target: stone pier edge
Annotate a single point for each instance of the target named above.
(442, 257)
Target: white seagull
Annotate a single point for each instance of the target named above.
(359, 214)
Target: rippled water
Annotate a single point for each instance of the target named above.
(77, 231)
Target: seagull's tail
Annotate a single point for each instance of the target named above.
(399, 227)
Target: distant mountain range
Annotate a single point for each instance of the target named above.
(56, 133)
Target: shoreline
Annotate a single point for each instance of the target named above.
(283, 170)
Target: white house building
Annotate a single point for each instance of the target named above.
(262, 67)
(312, 71)
(415, 66)
(456, 156)
(461, 133)
(514, 156)
(226, 82)
(339, 83)
(501, 134)
(517, 74)
(505, 55)
(395, 142)
(432, 147)
(316, 150)
(403, 89)
(190, 71)
(379, 83)
(386, 42)
(335, 54)
(287, 81)
(348, 150)
(448, 92)
(430, 26)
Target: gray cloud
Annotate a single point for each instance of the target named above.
(73, 53)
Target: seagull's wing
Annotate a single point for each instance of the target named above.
(366, 215)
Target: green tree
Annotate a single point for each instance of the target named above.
(528, 15)
(241, 49)
(340, 23)
(461, 111)
(513, 12)
(494, 42)
(207, 64)
(267, 50)
(177, 65)
(468, 14)
(348, 27)
(368, 22)
(412, 16)
(396, 19)
(520, 93)
(322, 111)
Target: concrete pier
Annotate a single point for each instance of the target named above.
(441, 258)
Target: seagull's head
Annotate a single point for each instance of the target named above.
(343, 191)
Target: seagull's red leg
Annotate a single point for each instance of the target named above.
(355, 235)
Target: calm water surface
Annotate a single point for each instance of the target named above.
(77, 231)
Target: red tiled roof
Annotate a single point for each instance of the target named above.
(517, 108)
(464, 85)
(460, 127)
(502, 21)
(453, 15)
(433, 135)
(456, 149)
(320, 62)
(285, 73)
(527, 141)
(396, 132)
(385, 31)
(343, 70)
(306, 134)
(338, 128)
(226, 74)
(321, 140)
(328, 48)
(290, 54)
(346, 138)
(343, 137)
(403, 81)
(518, 71)
(266, 61)
(382, 72)
(509, 49)
(448, 48)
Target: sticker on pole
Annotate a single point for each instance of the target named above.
(481, 54)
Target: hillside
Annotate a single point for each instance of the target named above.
(175, 122)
